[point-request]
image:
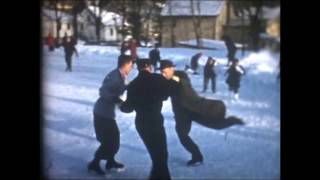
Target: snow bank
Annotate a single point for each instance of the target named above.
(208, 43)
(261, 62)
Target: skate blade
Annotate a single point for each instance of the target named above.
(90, 171)
(195, 164)
(116, 170)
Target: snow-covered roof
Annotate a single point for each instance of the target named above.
(183, 8)
(108, 18)
(267, 13)
(52, 15)
(271, 13)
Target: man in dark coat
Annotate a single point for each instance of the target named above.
(235, 73)
(195, 62)
(106, 129)
(231, 47)
(154, 56)
(50, 42)
(188, 106)
(209, 74)
(145, 95)
(69, 49)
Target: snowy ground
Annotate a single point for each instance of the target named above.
(249, 152)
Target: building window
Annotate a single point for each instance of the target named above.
(111, 32)
(88, 18)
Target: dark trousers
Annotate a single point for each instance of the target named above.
(107, 133)
(231, 56)
(154, 138)
(68, 61)
(234, 87)
(51, 48)
(206, 81)
(183, 128)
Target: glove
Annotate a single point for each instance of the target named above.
(176, 78)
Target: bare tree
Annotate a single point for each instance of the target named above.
(252, 10)
(196, 19)
(58, 22)
(148, 17)
(123, 13)
(135, 12)
(135, 18)
(78, 6)
(158, 25)
(121, 7)
(98, 19)
(173, 25)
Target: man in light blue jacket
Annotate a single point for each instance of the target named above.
(106, 129)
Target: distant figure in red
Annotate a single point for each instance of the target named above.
(133, 49)
(50, 42)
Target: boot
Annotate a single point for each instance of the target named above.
(195, 161)
(114, 164)
(94, 166)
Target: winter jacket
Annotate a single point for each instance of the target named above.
(113, 86)
(69, 48)
(234, 75)
(194, 61)
(207, 112)
(145, 95)
(154, 56)
(209, 70)
(50, 41)
(133, 50)
(231, 47)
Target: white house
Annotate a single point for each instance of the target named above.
(49, 23)
(108, 29)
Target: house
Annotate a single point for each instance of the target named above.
(177, 20)
(109, 28)
(271, 37)
(49, 23)
(217, 18)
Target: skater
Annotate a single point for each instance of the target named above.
(208, 74)
(234, 77)
(133, 49)
(64, 39)
(106, 129)
(145, 95)
(124, 48)
(231, 47)
(187, 69)
(188, 106)
(195, 62)
(50, 42)
(154, 56)
(69, 49)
